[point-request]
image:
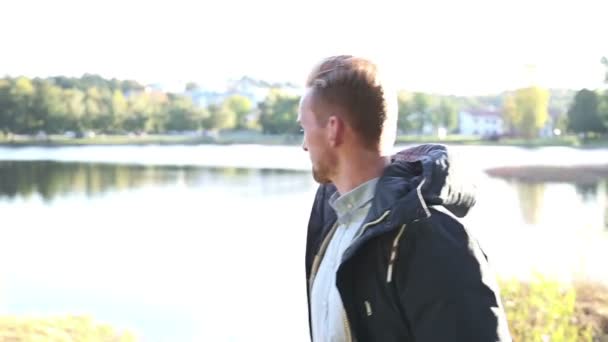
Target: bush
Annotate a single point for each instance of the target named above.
(64, 329)
(545, 310)
(542, 310)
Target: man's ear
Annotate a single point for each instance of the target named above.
(335, 130)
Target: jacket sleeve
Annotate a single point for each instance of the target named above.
(446, 289)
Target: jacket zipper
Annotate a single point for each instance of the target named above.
(395, 247)
(349, 336)
(317, 260)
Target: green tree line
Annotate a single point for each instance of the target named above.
(91, 103)
(56, 105)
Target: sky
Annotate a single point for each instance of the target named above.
(463, 47)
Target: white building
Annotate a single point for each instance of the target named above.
(484, 123)
(255, 90)
(204, 98)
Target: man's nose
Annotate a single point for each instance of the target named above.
(304, 147)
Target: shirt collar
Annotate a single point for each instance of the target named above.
(345, 205)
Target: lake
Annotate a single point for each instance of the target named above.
(206, 243)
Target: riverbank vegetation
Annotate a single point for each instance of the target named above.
(539, 310)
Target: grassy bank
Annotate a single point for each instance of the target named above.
(59, 329)
(538, 311)
(100, 140)
(252, 137)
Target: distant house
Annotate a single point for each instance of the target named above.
(155, 91)
(204, 98)
(255, 90)
(484, 123)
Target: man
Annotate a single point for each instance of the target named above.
(386, 258)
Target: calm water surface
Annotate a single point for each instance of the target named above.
(206, 243)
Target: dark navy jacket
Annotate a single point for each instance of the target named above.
(414, 273)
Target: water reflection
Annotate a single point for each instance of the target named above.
(606, 206)
(531, 198)
(587, 191)
(50, 179)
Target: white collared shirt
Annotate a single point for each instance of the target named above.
(327, 310)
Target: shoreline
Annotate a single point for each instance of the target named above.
(583, 174)
(234, 138)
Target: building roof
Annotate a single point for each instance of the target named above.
(484, 112)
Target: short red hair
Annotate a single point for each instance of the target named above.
(353, 85)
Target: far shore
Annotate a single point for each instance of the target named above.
(583, 174)
(249, 137)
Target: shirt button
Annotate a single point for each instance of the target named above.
(350, 206)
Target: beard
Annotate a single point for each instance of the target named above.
(320, 177)
(322, 171)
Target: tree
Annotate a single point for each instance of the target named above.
(58, 104)
(447, 115)
(22, 93)
(512, 116)
(73, 100)
(119, 107)
(219, 118)
(405, 111)
(139, 110)
(241, 107)
(527, 111)
(48, 109)
(583, 115)
(92, 118)
(420, 107)
(157, 115)
(278, 113)
(6, 106)
(182, 116)
(603, 108)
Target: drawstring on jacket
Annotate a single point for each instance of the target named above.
(389, 271)
(395, 247)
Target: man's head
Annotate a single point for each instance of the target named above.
(346, 107)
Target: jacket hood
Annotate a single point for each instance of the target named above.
(425, 174)
(445, 183)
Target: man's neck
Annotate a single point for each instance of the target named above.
(356, 171)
